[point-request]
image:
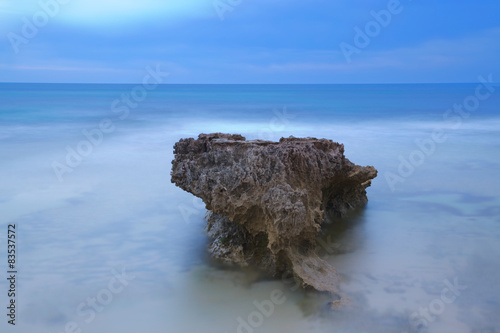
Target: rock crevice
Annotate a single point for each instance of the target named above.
(267, 200)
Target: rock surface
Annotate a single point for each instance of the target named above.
(267, 200)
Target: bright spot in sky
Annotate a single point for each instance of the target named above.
(103, 12)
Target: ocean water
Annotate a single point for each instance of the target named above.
(105, 243)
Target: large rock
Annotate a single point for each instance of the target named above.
(267, 200)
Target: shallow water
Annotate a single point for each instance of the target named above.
(117, 214)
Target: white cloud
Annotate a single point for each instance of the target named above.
(439, 53)
(459, 59)
(105, 12)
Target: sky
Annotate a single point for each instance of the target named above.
(250, 41)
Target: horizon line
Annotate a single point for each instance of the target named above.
(236, 84)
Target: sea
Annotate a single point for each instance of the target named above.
(104, 242)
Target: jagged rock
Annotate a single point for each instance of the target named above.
(267, 200)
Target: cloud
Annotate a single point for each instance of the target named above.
(100, 13)
(442, 60)
(123, 11)
(57, 68)
(459, 59)
(259, 43)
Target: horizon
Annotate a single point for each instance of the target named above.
(247, 84)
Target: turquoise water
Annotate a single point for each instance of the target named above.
(107, 244)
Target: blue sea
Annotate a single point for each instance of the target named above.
(106, 243)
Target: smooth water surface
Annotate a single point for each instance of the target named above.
(107, 244)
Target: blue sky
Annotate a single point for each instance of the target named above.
(250, 41)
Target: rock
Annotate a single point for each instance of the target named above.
(339, 304)
(267, 200)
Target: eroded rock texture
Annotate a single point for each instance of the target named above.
(267, 200)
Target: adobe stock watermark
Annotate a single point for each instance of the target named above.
(278, 123)
(94, 137)
(428, 314)
(265, 309)
(223, 6)
(89, 308)
(32, 25)
(372, 29)
(453, 118)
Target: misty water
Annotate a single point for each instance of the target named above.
(109, 244)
